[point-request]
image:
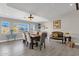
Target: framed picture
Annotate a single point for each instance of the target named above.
(57, 24)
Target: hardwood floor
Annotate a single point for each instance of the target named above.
(53, 48)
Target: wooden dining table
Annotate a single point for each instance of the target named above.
(34, 38)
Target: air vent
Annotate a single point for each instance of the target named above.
(77, 6)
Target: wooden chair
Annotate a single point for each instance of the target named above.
(28, 39)
(41, 43)
(24, 37)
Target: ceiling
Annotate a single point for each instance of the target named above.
(46, 10)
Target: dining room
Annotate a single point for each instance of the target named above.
(39, 29)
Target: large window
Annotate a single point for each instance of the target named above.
(32, 27)
(23, 27)
(20, 27)
(16, 27)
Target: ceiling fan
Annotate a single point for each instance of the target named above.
(30, 17)
(77, 6)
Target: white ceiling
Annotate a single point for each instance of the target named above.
(46, 10)
(9, 12)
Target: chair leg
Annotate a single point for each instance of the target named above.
(36, 44)
(23, 41)
(62, 41)
(30, 45)
(27, 44)
(44, 45)
(40, 47)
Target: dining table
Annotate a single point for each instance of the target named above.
(35, 38)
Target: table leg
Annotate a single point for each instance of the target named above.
(62, 41)
(69, 38)
(65, 40)
(31, 44)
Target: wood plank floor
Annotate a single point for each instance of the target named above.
(53, 48)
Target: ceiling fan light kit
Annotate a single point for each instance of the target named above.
(30, 17)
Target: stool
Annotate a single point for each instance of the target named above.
(70, 44)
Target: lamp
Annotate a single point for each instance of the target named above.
(67, 34)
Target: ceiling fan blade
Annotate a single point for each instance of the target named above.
(77, 7)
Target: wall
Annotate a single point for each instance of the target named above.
(69, 23)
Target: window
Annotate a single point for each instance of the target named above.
(5, 26)
(23, 27)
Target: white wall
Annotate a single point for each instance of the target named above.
(69, 23)
(47, 26)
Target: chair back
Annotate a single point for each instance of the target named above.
(43, 37)
(57, 33)
(23, 36)
(28, 37)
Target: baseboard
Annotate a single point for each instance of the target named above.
(9, 40)
(76, 43)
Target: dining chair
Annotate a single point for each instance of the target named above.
(28, 39)
(43, 37)
(24, 37)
